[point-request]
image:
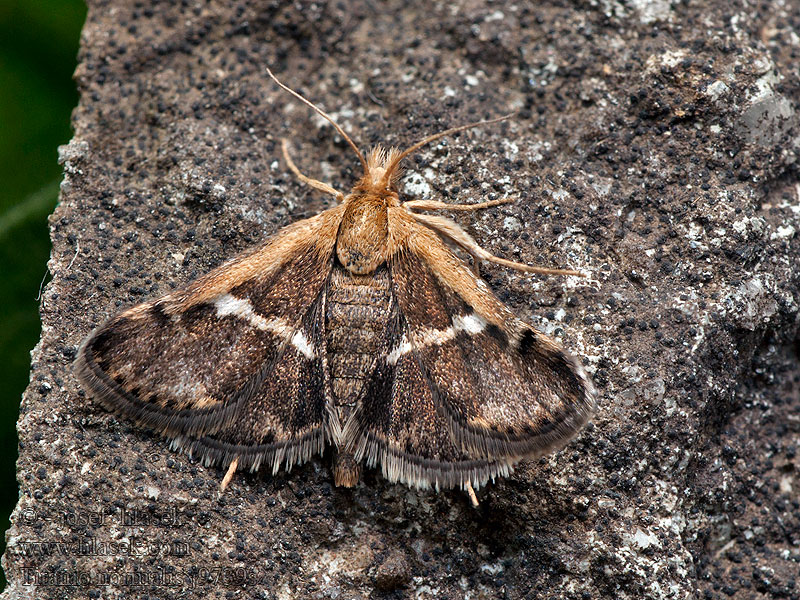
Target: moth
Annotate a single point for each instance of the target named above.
(359, 328)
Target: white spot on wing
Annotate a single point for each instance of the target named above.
(228, 304)
(404, 347)
(300, 341)
(471, 324)
(432, 337)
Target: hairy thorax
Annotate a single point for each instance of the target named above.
(362, 241)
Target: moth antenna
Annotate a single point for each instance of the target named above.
(392, 166)
(325, 116)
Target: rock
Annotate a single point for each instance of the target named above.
(654, 145)
(393, 572)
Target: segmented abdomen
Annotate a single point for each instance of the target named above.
(357, 313)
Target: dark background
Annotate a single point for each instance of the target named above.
(38, 49)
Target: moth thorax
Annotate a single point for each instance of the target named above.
(363, 235)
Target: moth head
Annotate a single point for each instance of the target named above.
(377, 179)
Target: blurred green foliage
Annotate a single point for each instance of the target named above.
(38, 50)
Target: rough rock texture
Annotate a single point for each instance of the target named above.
(655, 145)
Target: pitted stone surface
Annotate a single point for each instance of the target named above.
(655, 145)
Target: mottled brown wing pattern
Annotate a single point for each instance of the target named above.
(202, 367)
(502, 391)
(281, 417)
(398, 424)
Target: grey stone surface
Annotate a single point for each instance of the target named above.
(655, 145)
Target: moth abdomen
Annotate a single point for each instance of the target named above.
(357, 314)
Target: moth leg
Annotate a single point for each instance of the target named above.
(452, 231)
(471, 492)
(436, 205)
(228, 475)
(320, 185)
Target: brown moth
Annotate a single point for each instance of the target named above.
(357, 328)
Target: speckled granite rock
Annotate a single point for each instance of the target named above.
(655, 145)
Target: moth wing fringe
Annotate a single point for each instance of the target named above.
(528, 446)
(277, 456)
(351, 435)
(335, 434)
(476, 441)
(423, 474)
(189, 422)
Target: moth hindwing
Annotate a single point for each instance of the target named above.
(358, 328)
